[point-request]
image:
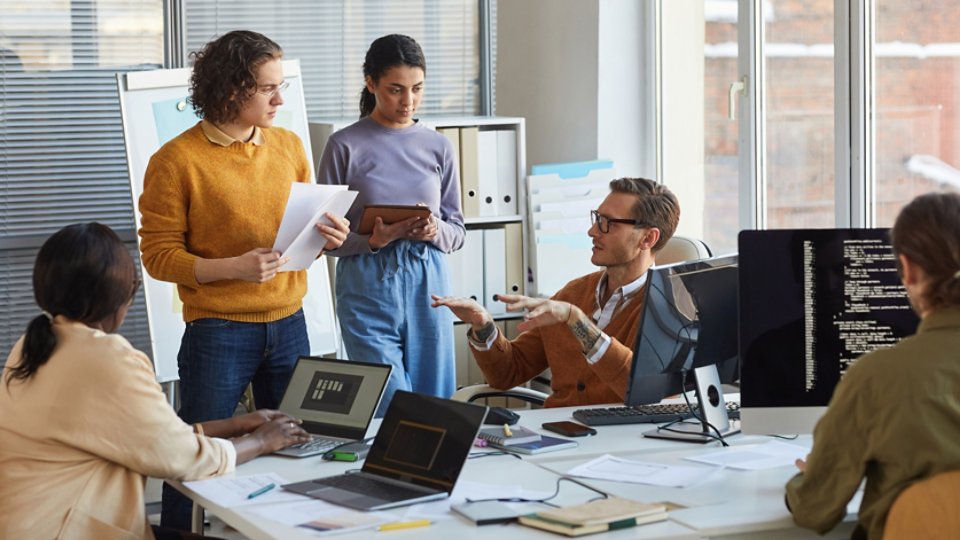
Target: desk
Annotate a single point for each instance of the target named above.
(730, 504)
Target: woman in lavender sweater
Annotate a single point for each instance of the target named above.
(385, 279)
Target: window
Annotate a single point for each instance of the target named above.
(62, 157)
(917, 58)
(854, 112)
(331, 38)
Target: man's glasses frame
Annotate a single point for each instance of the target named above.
(603, 222)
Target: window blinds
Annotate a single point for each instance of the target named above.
(62, 157)
(330, 40)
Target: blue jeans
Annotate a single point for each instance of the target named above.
(217, 360)
(383, 304)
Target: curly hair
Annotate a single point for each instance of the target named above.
(225, 73)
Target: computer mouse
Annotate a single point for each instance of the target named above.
(499, 416)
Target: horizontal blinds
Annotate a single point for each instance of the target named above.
(331, 38)
(62, 157)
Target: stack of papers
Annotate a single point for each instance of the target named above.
(756, 457)
(607, 467)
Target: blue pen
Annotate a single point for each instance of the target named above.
(261, 491)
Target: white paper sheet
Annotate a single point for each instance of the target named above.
(322, 517)
(607, 467)
(297, 237)
(230, 491)
(755, 458)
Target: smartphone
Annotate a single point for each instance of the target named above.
(569, 429)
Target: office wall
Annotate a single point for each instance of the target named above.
(547, 54)
(585, 76)
(681, 36)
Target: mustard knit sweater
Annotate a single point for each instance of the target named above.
(201, 199)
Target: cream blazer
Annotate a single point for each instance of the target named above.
(79, 438)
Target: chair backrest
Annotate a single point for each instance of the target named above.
(683, 248)
(927, 509)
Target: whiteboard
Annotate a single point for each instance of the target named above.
(154, 109)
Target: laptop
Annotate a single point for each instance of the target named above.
(335, 399)
(417, 456)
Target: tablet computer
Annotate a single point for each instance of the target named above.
(389, 213)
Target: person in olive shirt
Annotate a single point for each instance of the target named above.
(894, 419)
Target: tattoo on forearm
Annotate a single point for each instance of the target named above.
(585, 331)
(485, 331)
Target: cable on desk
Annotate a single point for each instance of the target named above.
(544, 500)
(696, 415)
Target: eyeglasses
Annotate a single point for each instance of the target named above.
(272, 89)
(603, 222)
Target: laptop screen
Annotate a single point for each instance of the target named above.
(424, 440)
(335, 398)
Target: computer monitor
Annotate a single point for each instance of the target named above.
(689, 320)
(811, 302)
(688, 325)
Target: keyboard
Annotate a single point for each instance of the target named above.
(644, 414)
(317, 445)
(368, 485)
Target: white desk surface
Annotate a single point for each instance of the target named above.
(729, 504)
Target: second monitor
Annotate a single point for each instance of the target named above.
(811, 302)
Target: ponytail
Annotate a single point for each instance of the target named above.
(368, 102)
(84, 273)
(38, 345)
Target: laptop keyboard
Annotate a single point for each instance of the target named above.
(317, 444)
(643, 414)
(364, 485)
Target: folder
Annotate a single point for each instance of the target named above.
(506, 172)
(470, 171)
(466, 267)
(494, 269)
(487, 170)
(515, 273)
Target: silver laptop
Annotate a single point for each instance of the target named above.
(417, 456)
(335, 399)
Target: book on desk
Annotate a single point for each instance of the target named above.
(595, 516)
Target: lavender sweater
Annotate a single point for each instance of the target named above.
(411, 165)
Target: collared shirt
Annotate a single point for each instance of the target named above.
(216, 136)
(601, 316)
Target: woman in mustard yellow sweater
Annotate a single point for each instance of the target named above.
(213, 198)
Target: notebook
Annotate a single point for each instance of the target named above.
(417, 456)
(545, 444)
(335, 399)
(517, 435)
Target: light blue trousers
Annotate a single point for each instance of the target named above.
(383, 303)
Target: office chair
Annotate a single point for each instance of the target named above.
(927, 509)
(677, 249)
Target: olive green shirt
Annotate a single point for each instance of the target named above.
(894, 419)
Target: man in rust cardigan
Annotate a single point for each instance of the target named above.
(583, 333)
